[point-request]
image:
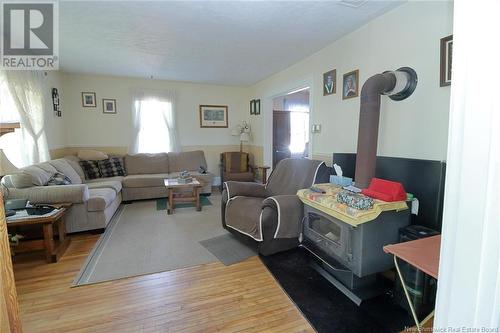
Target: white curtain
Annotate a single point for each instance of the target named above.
(469, 271)
(24, 98)
(154, 123)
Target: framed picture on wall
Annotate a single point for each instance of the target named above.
(445, 61)
(213, 116)
(89, 100)
(252, 106)
(109, 106)
(350, 85)
(330, 82)
(257, 106)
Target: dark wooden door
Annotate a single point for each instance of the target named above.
(281, 136)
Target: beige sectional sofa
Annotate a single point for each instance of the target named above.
(95, 201)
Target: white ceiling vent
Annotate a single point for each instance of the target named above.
(353, 3)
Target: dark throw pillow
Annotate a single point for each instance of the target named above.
(59, 179)
(112, 167)
(90, 169)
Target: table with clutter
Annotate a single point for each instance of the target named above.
(53, 224)
(331, 200)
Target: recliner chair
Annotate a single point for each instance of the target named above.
(271, 214)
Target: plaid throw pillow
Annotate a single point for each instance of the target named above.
(90, 169)
(112, 167)
(59, 179)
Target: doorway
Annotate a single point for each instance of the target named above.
(291, 125)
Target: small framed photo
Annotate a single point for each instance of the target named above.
(257, 107)
(330, 82)
(89, 100)
(252, 106)
(213, 116)
(109, 106)
(350, 85)
(445, 61)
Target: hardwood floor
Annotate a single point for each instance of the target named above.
(210, 298)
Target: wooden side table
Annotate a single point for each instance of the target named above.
(54, 249)
(174, 195)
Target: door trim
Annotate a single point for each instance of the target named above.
(267, 113)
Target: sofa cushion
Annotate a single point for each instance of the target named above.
(113, 184)
(111, 167)
(40, 173)
(146, 163)
(74, 162)
(91, 169)
(47, 167)
(146, 180)
(91, 155)
(62, 166)
(100, 180)
(189, 160)
(100, 198)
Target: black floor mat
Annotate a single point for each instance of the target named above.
(328, 309)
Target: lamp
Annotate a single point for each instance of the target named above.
(6, 167)
(243, 131)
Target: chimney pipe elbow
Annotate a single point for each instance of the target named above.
(398, 85)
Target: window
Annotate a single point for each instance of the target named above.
(23, 99)
(155, 125)
(10, 142)
(9, 113)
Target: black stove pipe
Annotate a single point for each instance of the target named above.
(398, 85)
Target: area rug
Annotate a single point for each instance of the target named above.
(142, 240)
(324, 306)
(228, 249)
(162, 204)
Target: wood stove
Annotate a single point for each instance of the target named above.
(351, 256)
(348, 256)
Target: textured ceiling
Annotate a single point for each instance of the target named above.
(222, 42)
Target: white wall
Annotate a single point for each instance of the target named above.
(406, 36)
(90, 127)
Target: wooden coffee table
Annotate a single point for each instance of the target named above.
(176, 193)
(54, 249)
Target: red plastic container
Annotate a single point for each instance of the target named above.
(385, 190)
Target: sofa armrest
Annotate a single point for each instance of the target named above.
(78, 193)
(246, 189)
(290, 214)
